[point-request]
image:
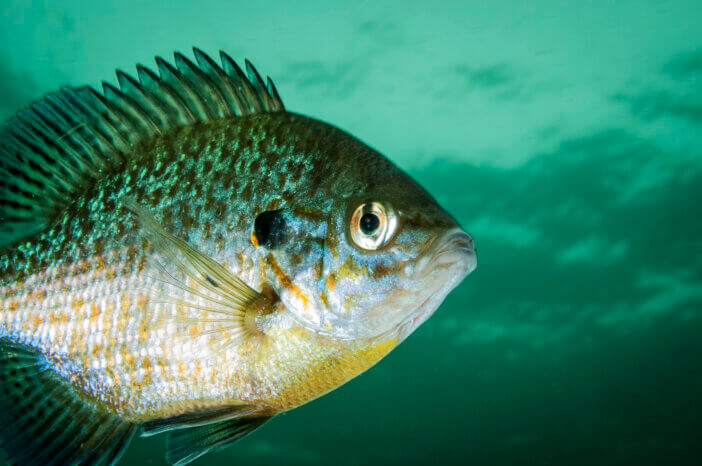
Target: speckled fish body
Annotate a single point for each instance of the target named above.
(81, 296)
(211, 264)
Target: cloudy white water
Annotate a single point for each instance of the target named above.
(565, 137)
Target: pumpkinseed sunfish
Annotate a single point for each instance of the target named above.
(182, 255)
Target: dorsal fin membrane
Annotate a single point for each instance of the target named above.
(63, 142)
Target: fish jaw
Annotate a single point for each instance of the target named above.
(449, 259)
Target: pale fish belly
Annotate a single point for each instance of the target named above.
(143, 359)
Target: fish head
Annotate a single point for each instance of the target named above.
(373, 259)
(394, 265)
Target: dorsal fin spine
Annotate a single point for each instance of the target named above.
(243, 86)
(169, 97)
(88, 160)
(55, 177)
(137, 119)
(111, 116)
(112, 143)
(198, 80)
(277, 102)
(258, 85)
(170, 75)
(104, 147)
(144, 99)
(219, 79)
(62, 143)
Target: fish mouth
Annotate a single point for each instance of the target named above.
(441, 265)
(448, 259)
(453, 249)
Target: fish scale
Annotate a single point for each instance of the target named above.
(113, 335)
(190, 270)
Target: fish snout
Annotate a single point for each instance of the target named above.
(452, 251)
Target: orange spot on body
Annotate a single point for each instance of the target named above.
(147, 366)
(94, 312)
(129, 359)
(330, 282)
(125, 303)
(96, 350)
(37, 321)
(38, 294)
(142, 300)
(99, 264)
(324, 299)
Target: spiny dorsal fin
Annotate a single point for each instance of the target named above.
(61, 143)
(45, 422)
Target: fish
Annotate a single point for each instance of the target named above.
(183, 256)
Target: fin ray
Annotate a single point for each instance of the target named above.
(47, 421)
(186, 445)
(224, 304)
(64, 142)
(198, 418)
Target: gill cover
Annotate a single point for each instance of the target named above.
(336, 280)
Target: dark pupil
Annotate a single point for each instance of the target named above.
(369, 223)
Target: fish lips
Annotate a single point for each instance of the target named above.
(448, 259)
(442, 265)
(452, 252)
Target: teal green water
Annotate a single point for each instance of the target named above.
(566, 137)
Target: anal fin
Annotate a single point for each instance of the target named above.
(197, 419)
(46, 421)
(186, 445)
(193, 434)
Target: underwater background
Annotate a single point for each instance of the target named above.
(565, 136)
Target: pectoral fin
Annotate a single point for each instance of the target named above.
(222, 302)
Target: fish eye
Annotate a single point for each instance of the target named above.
(369, 223)
(372, 225)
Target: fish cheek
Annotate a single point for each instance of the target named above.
(292, 246)
(268, 234)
